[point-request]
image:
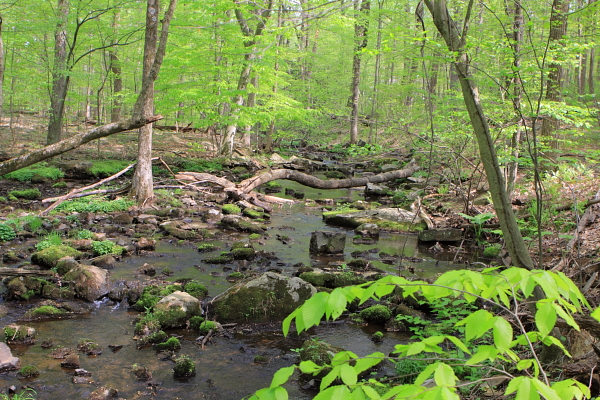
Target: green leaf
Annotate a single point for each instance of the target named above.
(544, 390)
(545, 317)
(358, 394)
(566, 316)
(282, 376)
(313, 309)
(483, 353)
(330, 377)
(365, 363)
(334, 393)
(596, 314)
(477, 324)
(444, 375)
(426, 373)
(458, 343)
(348, 375)
(513, 385)
(372, 393)
(503, 334)
(309, 367)
(280, 393)
(336, 304)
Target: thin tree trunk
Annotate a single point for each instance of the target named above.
(142, 186)
(373, 125)
(60, 76)
(456, 40)
(554, 82)
(360, 42)
(2, 69)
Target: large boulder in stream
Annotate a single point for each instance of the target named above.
(49, 257)
(89, 282)
(268, 298)
(323, 242)
(7, 361)
(395, 219)
(173, 310)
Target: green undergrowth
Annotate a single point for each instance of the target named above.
(106, 168)
(41, 170)
(201, 165)
(94, 205)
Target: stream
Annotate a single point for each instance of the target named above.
(225, 369)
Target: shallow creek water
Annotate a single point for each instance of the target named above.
(225, 369)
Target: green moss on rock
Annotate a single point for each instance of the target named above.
(49, 257)
(376, 314)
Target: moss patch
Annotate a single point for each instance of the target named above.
(49, 257)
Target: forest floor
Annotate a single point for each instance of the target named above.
(570, 186)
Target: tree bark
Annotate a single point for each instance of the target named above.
(60, 76)
(73, 142)
(2, 69)
(455, 41)
(117, 81)
(554, 82)
(361, 27)
(142, 186)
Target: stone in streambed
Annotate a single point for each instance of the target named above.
(322, 242)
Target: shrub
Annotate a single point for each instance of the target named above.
(6, 233)
(84, 234)
(492, 251)
(52, 239)
(106, 247)
(27, 194)
(94, 205)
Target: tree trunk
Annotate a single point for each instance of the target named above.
(554, 82)
(360, 42)
(456, 43)
(142, 187)
(373, 125)
(2, 69)
(71, 143)
(60, 76)
(117, 81)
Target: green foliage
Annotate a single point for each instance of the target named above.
(60, 185)
(94, 205)
(27, 194)
(47, 310)
(492, 251)
(476, 338)
(104, 247)
(26, 394)
(478, 221)
(6, 233)
(195, 322)
(84, 234)
(201, 165)
(52, 239)
(40, 169)
(106, 168)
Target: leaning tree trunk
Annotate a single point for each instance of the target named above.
(60, 76)
(456, 43)
(71, 143)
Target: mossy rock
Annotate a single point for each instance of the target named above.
(173, 310)
(231, 209)
(27, 194)
(332, 280)
(171, 344)
(376, 314)
(89, 282)
(224, 258)
(319, 352)
(50, 256)
(19, 334)
(240, 224)
(51, 291)
(244, 253)
(66, 264)
(196, 289)
(393, 219)
(271, 297)
(184, 367)
(254, 214)
(335, 175)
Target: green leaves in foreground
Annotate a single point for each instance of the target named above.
(489, 337)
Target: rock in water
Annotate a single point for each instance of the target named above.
(271, 297)
(322, 242)
(7, 361)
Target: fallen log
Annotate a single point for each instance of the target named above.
(73, 142)
(5, 271)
